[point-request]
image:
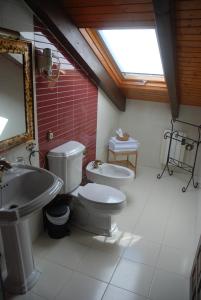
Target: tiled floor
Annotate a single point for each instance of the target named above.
(150, 257)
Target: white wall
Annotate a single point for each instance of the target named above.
(15, 15)
(146, 121)
(107, 121)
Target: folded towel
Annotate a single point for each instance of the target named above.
(115, 140)
(122, 147)
(125, 150)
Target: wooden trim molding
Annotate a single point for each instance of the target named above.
(92, 37)
(141, 87)
(24, 48)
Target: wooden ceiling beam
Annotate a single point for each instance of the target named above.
(91, 3)
(164, 15)
(54, 17)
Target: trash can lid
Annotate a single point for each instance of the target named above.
(57, 210)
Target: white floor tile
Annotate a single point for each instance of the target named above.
(115, 245)
(142, 251)
(82, 287)
(168, 286)
(125, 223)
(115, 293)
(28, 296)
(52, 279)
(133, 276)
(180, 235)
(151, 228)
(175, 260)
(67, 253)
(82, 237)
(43, 244)
(98, 264)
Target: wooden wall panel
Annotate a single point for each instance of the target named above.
(110, 14)
(146, 93)
(188, 42)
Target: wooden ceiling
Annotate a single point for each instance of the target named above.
(98, 14)
(114, 13)
(188, 43)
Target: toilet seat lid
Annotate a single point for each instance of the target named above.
(101, 193)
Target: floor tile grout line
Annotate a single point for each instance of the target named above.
(105, 291)
(161, 246)
(120, 259)
(154, 273)
(140, 215)
(133, 292)
(74, 271)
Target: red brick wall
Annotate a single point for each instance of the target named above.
(67, 106)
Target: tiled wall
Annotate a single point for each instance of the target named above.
(68, 105)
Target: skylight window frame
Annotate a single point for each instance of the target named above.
(128, 75)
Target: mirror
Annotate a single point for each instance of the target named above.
(16, 97)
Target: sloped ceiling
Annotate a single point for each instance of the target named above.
(139, 13)
(188, 51)
(110, 14)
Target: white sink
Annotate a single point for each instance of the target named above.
(23, 191)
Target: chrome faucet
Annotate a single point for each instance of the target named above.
(4, 166)
(97, 163)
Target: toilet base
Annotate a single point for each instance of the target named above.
(90, 221)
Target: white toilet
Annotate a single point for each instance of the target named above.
(94, 204)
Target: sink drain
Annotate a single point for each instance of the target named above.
(13, 206)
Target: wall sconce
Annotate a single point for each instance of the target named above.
(45, 64)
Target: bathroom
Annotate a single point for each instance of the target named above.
(152, 254)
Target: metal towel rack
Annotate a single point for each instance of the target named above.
(189, 143)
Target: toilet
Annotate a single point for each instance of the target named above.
(94, 205)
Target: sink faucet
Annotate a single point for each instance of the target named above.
(97, 163)
(4, 166)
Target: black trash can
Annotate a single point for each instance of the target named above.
(56, 217)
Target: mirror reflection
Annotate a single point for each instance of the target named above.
(12, 116)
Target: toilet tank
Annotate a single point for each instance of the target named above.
(66, 162)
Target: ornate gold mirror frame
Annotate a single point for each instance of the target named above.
(24, 48)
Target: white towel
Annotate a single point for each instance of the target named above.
(116, 141)
(130, 146)
(124, 145)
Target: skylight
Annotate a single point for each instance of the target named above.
(135, 51)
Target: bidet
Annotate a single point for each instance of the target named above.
(109, 174)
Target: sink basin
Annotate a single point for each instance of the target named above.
(23, 191)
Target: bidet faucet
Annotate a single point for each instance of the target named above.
(4, 166)
(97, 163)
